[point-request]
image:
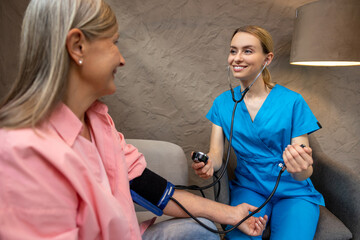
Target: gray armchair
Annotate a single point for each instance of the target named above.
(339, 185)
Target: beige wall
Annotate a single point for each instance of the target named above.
(176, 55)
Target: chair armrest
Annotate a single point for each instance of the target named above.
(221, 189)
(340, 187)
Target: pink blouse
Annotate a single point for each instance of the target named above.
(51, 184)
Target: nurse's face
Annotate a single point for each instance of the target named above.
(246, 57)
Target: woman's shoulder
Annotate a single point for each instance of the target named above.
(20, 135)
(286, 92)
(284, 89)
(28, 141)
(224, 96)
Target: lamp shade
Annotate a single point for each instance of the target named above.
(327, 33)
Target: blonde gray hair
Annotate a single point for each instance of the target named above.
(44, 61)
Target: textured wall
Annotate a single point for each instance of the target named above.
(176, 55)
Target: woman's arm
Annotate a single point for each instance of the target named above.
(298, 159)
(215, 154)
(217, 212)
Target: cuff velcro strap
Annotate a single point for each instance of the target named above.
(151, 191)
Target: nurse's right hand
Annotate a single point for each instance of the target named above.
(202, 170)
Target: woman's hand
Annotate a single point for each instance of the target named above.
(202, 170)
(298, 161)
(254, 226)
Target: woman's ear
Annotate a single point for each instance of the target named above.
(75, 41)
(269, 58)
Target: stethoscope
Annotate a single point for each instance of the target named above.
(283, 167)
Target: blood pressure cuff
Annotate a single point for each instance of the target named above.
(151, 191)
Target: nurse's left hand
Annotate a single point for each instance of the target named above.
(298, 161)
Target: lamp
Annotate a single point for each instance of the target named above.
(327, 33)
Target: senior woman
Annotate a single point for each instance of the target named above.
(64, 168)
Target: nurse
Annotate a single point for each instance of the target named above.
(270, 125)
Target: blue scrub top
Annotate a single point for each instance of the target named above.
(259, 144)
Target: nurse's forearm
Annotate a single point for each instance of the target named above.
(216, 159)
(216, 151)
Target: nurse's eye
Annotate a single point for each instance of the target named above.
(233, 51)
(248, 51)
